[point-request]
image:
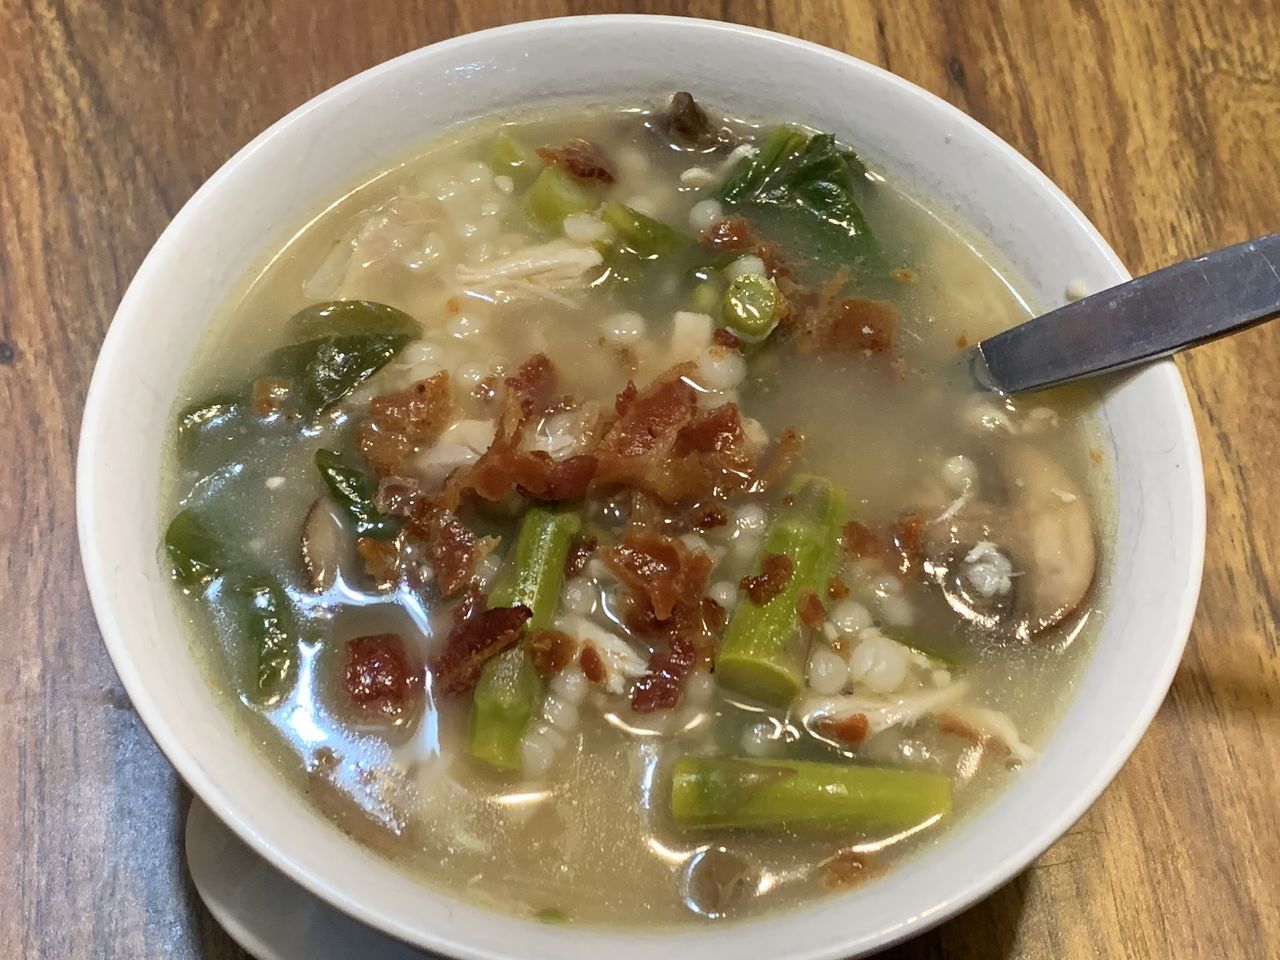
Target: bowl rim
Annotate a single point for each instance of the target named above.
(225, 806)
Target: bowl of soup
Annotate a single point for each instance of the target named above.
(538, 496)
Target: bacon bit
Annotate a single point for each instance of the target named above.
(661, 444)
(851, 730)
(848, 869)
(624, 399)
(473, 643)
(534, 383)
(582, 158)
(903, 275)
(551, 651)
(268, 395)
(580, 550)
(381, 559)
(449, 545)
(859, 325)
(730, 233)
(907, 537)
(837, 589)
(859, 540)
(1095, 456)
(591, 664)
(398, 496)
(768, 583)
(379, 679)
(403, 421)
(660, 570)
(708, 518)
(661, 687)
(810, 609)
(962, 341)
(453, 304)
(726, 338)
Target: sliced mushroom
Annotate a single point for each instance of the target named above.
(1051, 538)
(323, 544)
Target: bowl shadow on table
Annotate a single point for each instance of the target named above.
(987, 931)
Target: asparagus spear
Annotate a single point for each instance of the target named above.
(765, 647)
(509, 687)
(737, 792)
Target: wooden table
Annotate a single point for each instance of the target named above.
(1161, 120)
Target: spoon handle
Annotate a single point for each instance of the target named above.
(1153, 316)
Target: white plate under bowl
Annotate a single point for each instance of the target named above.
(360, 127)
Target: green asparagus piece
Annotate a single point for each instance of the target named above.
(266, 617)
(505, 698)
(772, 794)
(346, 317)
(511, 158)
(555, 195)
(643, 234)
(509, 688)
(766, 649)
(750, 307)
(354, 491)
(196, 555)
(535, 573)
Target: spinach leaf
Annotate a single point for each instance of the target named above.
(196, 555)
(345, 317)
(354, 491)
(326, 369)
(265, 615)
(808, 182)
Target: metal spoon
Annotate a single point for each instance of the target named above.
(1181, 306)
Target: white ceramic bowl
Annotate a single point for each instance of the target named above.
(277, 181)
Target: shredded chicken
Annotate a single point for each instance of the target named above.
(881, 712)
(533, 273)
(398, 230)
(994, 725)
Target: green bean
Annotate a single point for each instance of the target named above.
(750, 307)
(777, 794)
(509, 689)
(765, 649)
(505, 698)
(509, 157)
(555, 195)
(643, 234)
(354, 490)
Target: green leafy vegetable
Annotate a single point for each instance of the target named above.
(643, 234)
(806, 180)
(354, 490)
(326, 369)
(196, 555)
(199, 420)
(345, 317)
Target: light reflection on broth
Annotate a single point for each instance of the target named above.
(584, 830)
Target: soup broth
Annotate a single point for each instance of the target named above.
(574, 509)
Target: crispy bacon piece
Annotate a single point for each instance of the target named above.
(726, 338)
(398, 496)
(580, 550)
(775, 571)
(848, 869)
(785, 453)
(451, 548)
(661, 687)
(850, 730)
(472, 643)
(582, 158)
(381, 559)
(551, 651)
(531, 393)
(859, 540)
(731, 233)
(662, 445)
(810, 609)
(661, 570)
(852, 326)
(836, 589)
(401, 422)
(591, 664)
(907, 537)
(268, 396)
(379, 678)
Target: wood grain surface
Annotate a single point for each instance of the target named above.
(1161, 119)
